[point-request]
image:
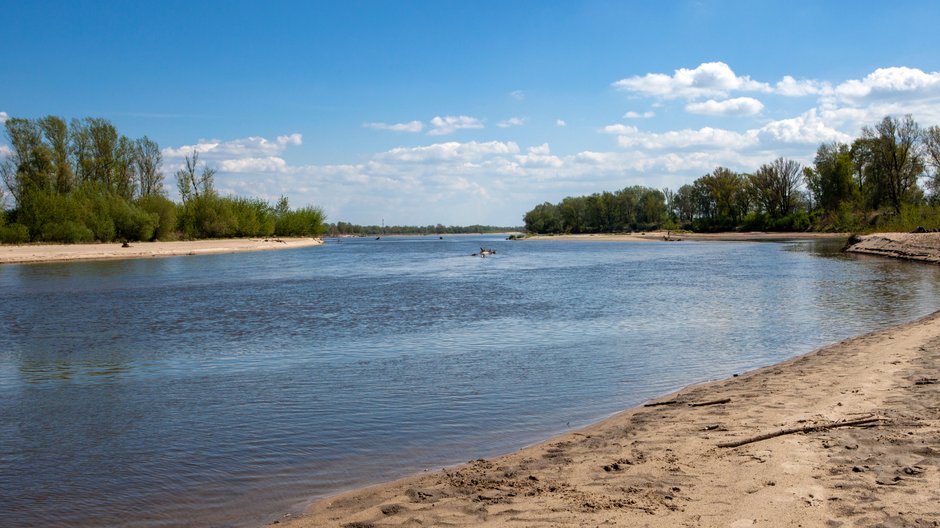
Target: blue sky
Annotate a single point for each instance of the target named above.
(470, 112)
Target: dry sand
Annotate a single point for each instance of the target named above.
(31, 253)
(652, 236)
(661, 466)
(924, 247)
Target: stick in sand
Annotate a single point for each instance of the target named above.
(804, 429)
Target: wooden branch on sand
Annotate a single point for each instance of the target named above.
(713, 402)
(803, 429)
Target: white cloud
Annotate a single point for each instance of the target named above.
(270, 164)
(539, 156)
(511, 122)
(790, 87)
(890, 81)
(3, 117)
(561, 123)
(706, 137)
(807, 128)
(411, 126)
(450, 124)
(636, 115)
(518, 95)
(449, 151)
(5, 151)
(709, 79)
(249, 147)
(739, 106)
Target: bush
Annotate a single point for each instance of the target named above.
(69, 232)
(306, 221)
(165, 211)
(14, 234)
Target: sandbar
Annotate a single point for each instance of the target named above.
(923, 247)
(36, 253)
(662, 466)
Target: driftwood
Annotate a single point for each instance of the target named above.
(667, 402)
(803, 429)
(713, 402)
(679, 402)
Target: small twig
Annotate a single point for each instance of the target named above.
(803, 429)
(713, 402)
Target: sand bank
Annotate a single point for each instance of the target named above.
(30, 253)
(924, 247)
(661, 466)
(652, 236)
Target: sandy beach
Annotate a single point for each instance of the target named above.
(862, 448)
(34, 253)
(923, 247)
(653, 236)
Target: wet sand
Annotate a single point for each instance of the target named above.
(662, 466)
(34, 253)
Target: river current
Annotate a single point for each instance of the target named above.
(227, 390)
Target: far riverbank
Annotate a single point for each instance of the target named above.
(36, 253)
(652, 236)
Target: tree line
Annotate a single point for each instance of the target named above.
(886, 179)
(346, 228)
(83, 181)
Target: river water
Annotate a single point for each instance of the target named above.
(227, 390)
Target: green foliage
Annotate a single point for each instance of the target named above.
(630, 209)
(306, 221)
(165, 211)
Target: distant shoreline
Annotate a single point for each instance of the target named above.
(652, 236)
(45, 253)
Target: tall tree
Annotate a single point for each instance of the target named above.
(888, 161)
(830, 178)
(147, 162)
(931, 139)
(56, 139)
(775, 186)
(193, 185)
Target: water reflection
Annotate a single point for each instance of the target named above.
(224, 390)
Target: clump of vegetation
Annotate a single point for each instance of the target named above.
(870, 185)
(84, 182)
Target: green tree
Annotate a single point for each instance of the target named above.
(775, 187)
(830, 179)
(888, 162)
(192, 185)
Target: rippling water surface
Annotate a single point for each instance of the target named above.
(226, 390)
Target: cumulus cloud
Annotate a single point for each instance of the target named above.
(637, 115)
(411, 126)
(790, 87)
(706, 137)
(450, 124)
(561, 123)
(890, 81)
(518, 95)
(739, 106)
(249, 147)
(449, 151)
(709, 79)
(3, 117)
(270, 164)
(806, 128)
(539, 156)
(511, 122)
(5, 151)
